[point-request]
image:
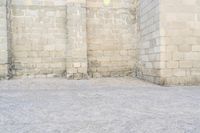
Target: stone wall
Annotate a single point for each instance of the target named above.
(49, 38)
(4, 39)
(38, 38)
(180, 35)
(76, 46)
(156, 40)
(56, 38)
(111, 37)
(148, 48)
(169, 42)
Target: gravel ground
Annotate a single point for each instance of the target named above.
(97, 106)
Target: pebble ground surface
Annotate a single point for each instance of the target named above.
(110, 105)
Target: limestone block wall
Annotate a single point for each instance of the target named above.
(168, 42)
(4, 38)
(76, 58)
(38, 37)
(59, 38)
(180, 30)
(156, 40)
(111, 37)
(149, 49)
(49, 38)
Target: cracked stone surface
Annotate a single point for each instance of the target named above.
(97, 106)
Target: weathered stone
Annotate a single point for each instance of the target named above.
(156, 40)
(177, 43)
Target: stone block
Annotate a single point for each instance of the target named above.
(172, 64)
(77, 65)
(185, 64)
